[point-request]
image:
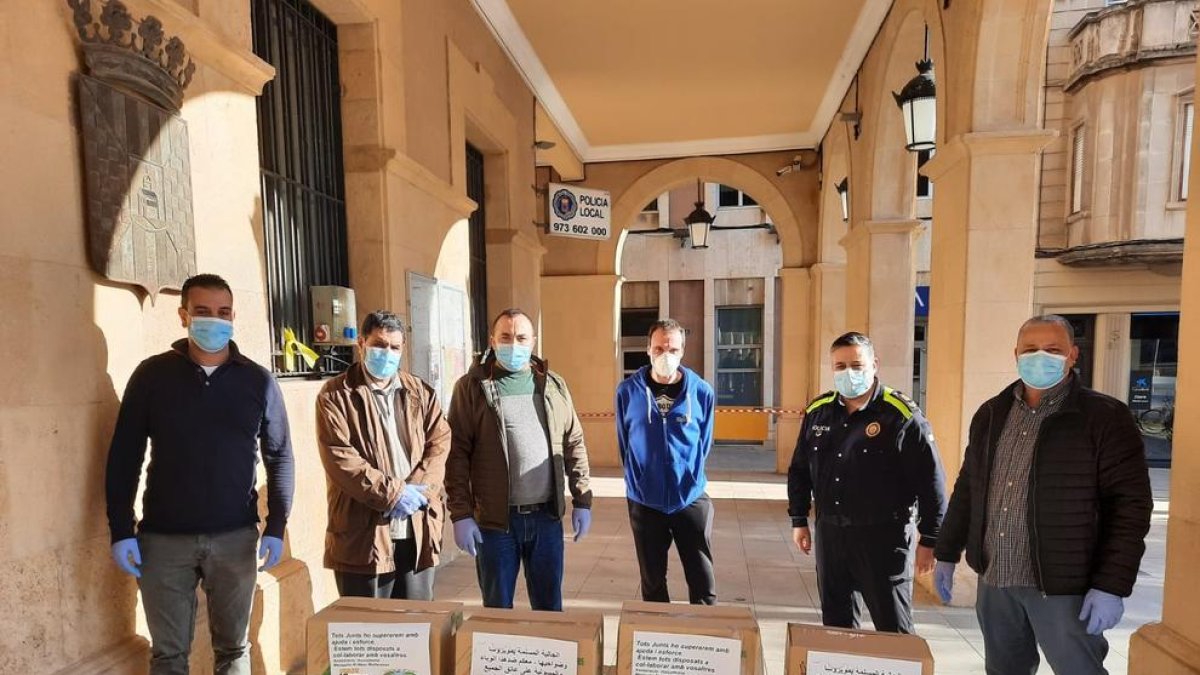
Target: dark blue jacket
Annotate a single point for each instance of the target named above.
(205, 433)
(664, 457)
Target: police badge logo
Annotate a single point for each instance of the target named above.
(873, 429)
(564, 204)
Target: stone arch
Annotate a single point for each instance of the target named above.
(710, 169)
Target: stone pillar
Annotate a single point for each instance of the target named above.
(1110, 370)
(981, 287)
(1173, 645)
(829, 321)
(881, 278)
(580, 340)
(769, 355)
(795, 327)
(514, 263)
(710, 331)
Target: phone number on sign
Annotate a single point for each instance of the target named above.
(584, 230)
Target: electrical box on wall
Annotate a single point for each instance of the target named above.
(335, 318)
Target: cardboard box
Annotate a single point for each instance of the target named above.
(367, 629)
(722, 639)
(571, 641)
(817, 650)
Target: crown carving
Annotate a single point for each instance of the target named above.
(133, 54)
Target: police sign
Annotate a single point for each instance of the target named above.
(578, 212)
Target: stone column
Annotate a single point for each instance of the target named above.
(710, 331)
(795, 327)
(881, 278)
(829, 321)
(1173, 645)
(981, 288)
(769, 353)
(580, 339)
(514, 263)
(1110, 373)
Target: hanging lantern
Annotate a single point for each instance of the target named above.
(699, 222)
(918, 104)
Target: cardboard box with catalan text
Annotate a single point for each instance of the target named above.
(518, 641)
(818, 650)
(365, 636)
(663, 637)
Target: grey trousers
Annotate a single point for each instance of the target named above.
(1016, 620)
(172, 566)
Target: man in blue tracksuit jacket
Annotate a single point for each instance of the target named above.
(664, 435)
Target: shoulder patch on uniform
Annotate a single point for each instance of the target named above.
(823, 399)
(900, 402)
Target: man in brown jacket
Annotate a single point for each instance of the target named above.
(516, 441)
(383, 441)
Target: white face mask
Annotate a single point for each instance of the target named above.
(665, 365)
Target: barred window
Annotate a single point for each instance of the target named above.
(300, 157)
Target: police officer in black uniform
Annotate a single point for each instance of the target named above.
(867, 454)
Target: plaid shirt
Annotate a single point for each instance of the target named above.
(1006, 544)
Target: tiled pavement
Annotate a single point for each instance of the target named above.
(757, 565)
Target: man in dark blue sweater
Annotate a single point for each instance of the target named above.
(208, 412)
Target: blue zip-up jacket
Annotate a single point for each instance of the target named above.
(664, 457)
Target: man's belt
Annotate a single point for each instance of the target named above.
(529, 508)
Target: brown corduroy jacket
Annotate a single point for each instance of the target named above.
(362, 485)
(477, 470)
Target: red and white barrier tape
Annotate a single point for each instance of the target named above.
(782, 412)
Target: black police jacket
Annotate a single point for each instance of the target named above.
(868, 468)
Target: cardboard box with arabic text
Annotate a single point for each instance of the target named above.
(364, 636)
(818, 650)
(657, 638)
(498, 641)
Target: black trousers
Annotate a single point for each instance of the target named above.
(866, 564)
(403, 584)
(691, 530)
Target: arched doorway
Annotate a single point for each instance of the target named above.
(591, 329)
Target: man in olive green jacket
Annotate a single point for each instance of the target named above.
(515, 441)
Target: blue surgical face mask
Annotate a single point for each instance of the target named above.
(209, 333)
(851, 383)
(381, 363)
(1041, 369)
(513, 357)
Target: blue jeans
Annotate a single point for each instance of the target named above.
(1016, 620)
(534, 540)
(226, 564)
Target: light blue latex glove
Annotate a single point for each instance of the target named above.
(467, 536)
(581, 522)
(412, 499)
(1101, 611)
(271, 548)
(128, 556)
(943, 580)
